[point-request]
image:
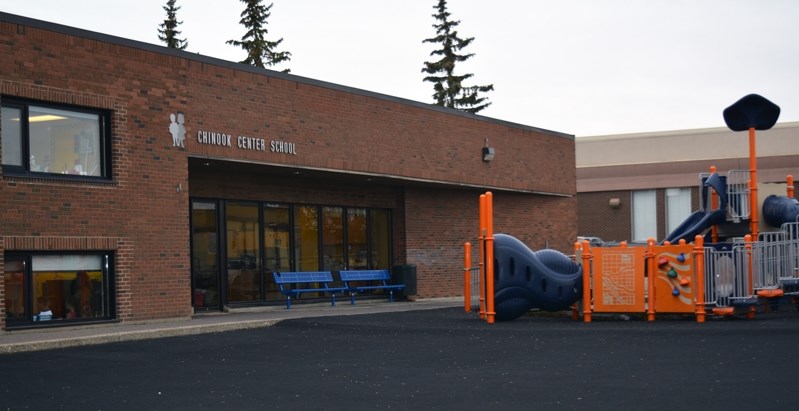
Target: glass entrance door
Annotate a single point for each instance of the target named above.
(243, 252)
(205, 272)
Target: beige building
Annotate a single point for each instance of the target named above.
(633, 186)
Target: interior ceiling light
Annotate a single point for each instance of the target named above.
(44, 117)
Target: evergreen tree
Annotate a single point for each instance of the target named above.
(168, 31)
(449, 89)
(260, 52)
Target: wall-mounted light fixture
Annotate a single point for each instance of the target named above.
(488, 152)
(614, 202)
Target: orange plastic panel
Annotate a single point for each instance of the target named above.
(618, 281)
(674, 280)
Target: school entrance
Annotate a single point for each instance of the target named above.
(236, 246)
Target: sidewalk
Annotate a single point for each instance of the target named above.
(236, 319)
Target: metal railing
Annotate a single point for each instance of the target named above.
(474, 288)
(770, 260)
(791, 231)
(738, 195)
(726, 276)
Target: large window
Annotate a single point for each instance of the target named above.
(306, 238)
(678, 207)
(357, 239)
(44, 289)
(341, 238)
(277, 245)
(56, 140)
(277, 237)
(243, 251)
(205, 255)
(644, 215)
(333, 238)
(254, 239)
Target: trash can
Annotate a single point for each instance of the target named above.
(405, 274)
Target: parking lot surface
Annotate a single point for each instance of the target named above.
(425, 359)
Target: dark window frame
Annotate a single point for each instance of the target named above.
(109, 289)
(24, 170)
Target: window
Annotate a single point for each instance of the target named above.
(678, 207)
(47, 289)
(16, 298)
(277, 237)
(12, 136)
(205, 256)
(39, 139)
(357, 251)
(332, 238)
(306, 238)
(277, 245)
(644, 215)
(243, 251)
(286, 237)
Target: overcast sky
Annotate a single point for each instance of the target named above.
(583, 67)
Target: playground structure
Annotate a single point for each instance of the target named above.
(730, 266)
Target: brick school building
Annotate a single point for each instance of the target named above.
(140, 182)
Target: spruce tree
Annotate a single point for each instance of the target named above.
(260, 52)
(168, 31)
(449, 90)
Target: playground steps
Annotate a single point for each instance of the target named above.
(723, 311)
(771, 293)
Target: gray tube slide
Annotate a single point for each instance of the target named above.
(779, 210)
(526, 279)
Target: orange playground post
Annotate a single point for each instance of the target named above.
(575, 308)
(699, 277)
(651, 265)
(789, 189)
(482, 255)
(467, 281)
(753, 182)
(489, 241)
(586, 282)
(751, 288)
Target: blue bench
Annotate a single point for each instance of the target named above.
(376, 279)
(294, 283)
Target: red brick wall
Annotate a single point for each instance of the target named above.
(439, 222)
(145, 206)
(141, 206)
(343, 131)
(596, 218)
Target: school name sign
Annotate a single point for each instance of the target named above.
(245, 143)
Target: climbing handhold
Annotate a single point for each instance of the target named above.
(672, 273)
(675, 292)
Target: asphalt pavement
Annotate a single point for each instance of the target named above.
(205, 322)
(426, 358)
